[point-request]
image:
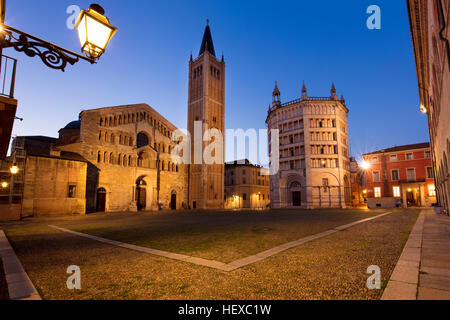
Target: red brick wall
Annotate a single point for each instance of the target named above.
(419, 163)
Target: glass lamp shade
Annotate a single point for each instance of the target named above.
(94, 31)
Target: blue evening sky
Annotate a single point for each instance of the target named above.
(263, 41)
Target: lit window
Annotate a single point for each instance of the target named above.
(431, 190)
(396, 192)
(377, 192)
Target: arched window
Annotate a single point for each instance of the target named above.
(162, 165)
(129, 161)
(111, 158)
(124, 160)
(119, 159)
(142, 140)
(99, 157)
(105, 157)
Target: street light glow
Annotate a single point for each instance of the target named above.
(423, 109)
(94, 31)
(365, 165)
(14, 169)
(4, 184)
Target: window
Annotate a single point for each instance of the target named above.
(243, 181)
(411, 174)
(427, 154)
(430, 174)
(431, 190)
(393, 157)
(325, 182)
(396, 192)
(409, 156)
(292, 164)
(142, 140)
(243, 171)
(72, 191)
(376, 176)
(244, 196)
(375, 159)
(377, 192)
(394, 175)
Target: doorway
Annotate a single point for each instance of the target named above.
(173, 200)
(141, 198)
(296, 198)
(413, 197)
(101, 200)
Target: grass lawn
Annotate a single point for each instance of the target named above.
(333, 267)
(222, 236)
(3, 285)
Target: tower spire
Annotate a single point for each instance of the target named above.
(333, 89)
(304, 91)
(207, 42)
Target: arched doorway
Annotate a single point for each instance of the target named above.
(141, 194)
(173, 200)
(296, 194)
(101, 200)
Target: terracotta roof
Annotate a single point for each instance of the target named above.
(402, 148)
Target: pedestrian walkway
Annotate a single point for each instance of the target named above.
(19, 285)
(423, 270)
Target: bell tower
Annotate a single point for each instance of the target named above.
(206, 110)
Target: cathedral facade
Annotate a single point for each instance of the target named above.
(313, 157)
(120, 158)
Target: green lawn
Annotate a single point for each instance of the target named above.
(333, 267)
(223, 236)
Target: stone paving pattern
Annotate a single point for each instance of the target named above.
(423, 270)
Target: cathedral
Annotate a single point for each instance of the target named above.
(119, 158)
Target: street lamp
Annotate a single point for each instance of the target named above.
(365, 165)
(93, 28)
(423, 109)
(14, 169)
(94, 31)
(4, 184)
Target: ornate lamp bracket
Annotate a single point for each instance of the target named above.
(51, 55)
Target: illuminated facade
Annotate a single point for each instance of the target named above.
(400, 177)
(246, 186)
(314, 166)
(429, 23)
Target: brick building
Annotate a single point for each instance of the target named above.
(400, 177)
(120, 158)
(429, 23)
(246, 186)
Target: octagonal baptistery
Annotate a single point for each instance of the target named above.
(314, 164)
